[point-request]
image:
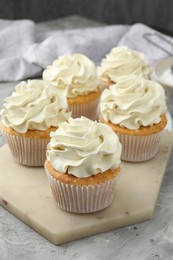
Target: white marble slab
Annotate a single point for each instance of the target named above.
(24, 191)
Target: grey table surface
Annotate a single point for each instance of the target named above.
(150, 240)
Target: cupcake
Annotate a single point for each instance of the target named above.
(83, 165)
(122, 61)
(135, 109)
(77, 76)
(28, 116)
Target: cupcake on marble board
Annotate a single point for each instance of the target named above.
(28, 116)
(120, 62)
(77, 76)
(135, 109)
(83, 165)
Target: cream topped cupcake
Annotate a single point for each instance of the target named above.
(77, 76)
(82, 165)
(122, 61)
(135, 109)
(27, 117)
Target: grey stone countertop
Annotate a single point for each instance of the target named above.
(150, 240)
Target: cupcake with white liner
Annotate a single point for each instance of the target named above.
(28, 116)
(135, 109)
(83, 165)
(122, 61)
(77, 75)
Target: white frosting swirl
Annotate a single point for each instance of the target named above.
(35, 104)
(75, 73)
(83, 148)
(123, 61)
(133, 102)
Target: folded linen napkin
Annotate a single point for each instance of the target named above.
(25, 51)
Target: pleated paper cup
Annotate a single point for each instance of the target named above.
(141, 144)
(82, 199)
(27, 148)
(88, 109)
(27, 151)
(85, 105)
(139, 148)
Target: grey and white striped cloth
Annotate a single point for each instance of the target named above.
(25, 50)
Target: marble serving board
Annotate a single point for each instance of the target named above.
(25, 192)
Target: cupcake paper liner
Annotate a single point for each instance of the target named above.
(88, 109)
(82, 199)
(27, 151)
(139, 148)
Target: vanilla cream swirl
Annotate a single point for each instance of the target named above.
(123, 61)
(83, 148)
(35, 104)
(133, 102)
(76, 74)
